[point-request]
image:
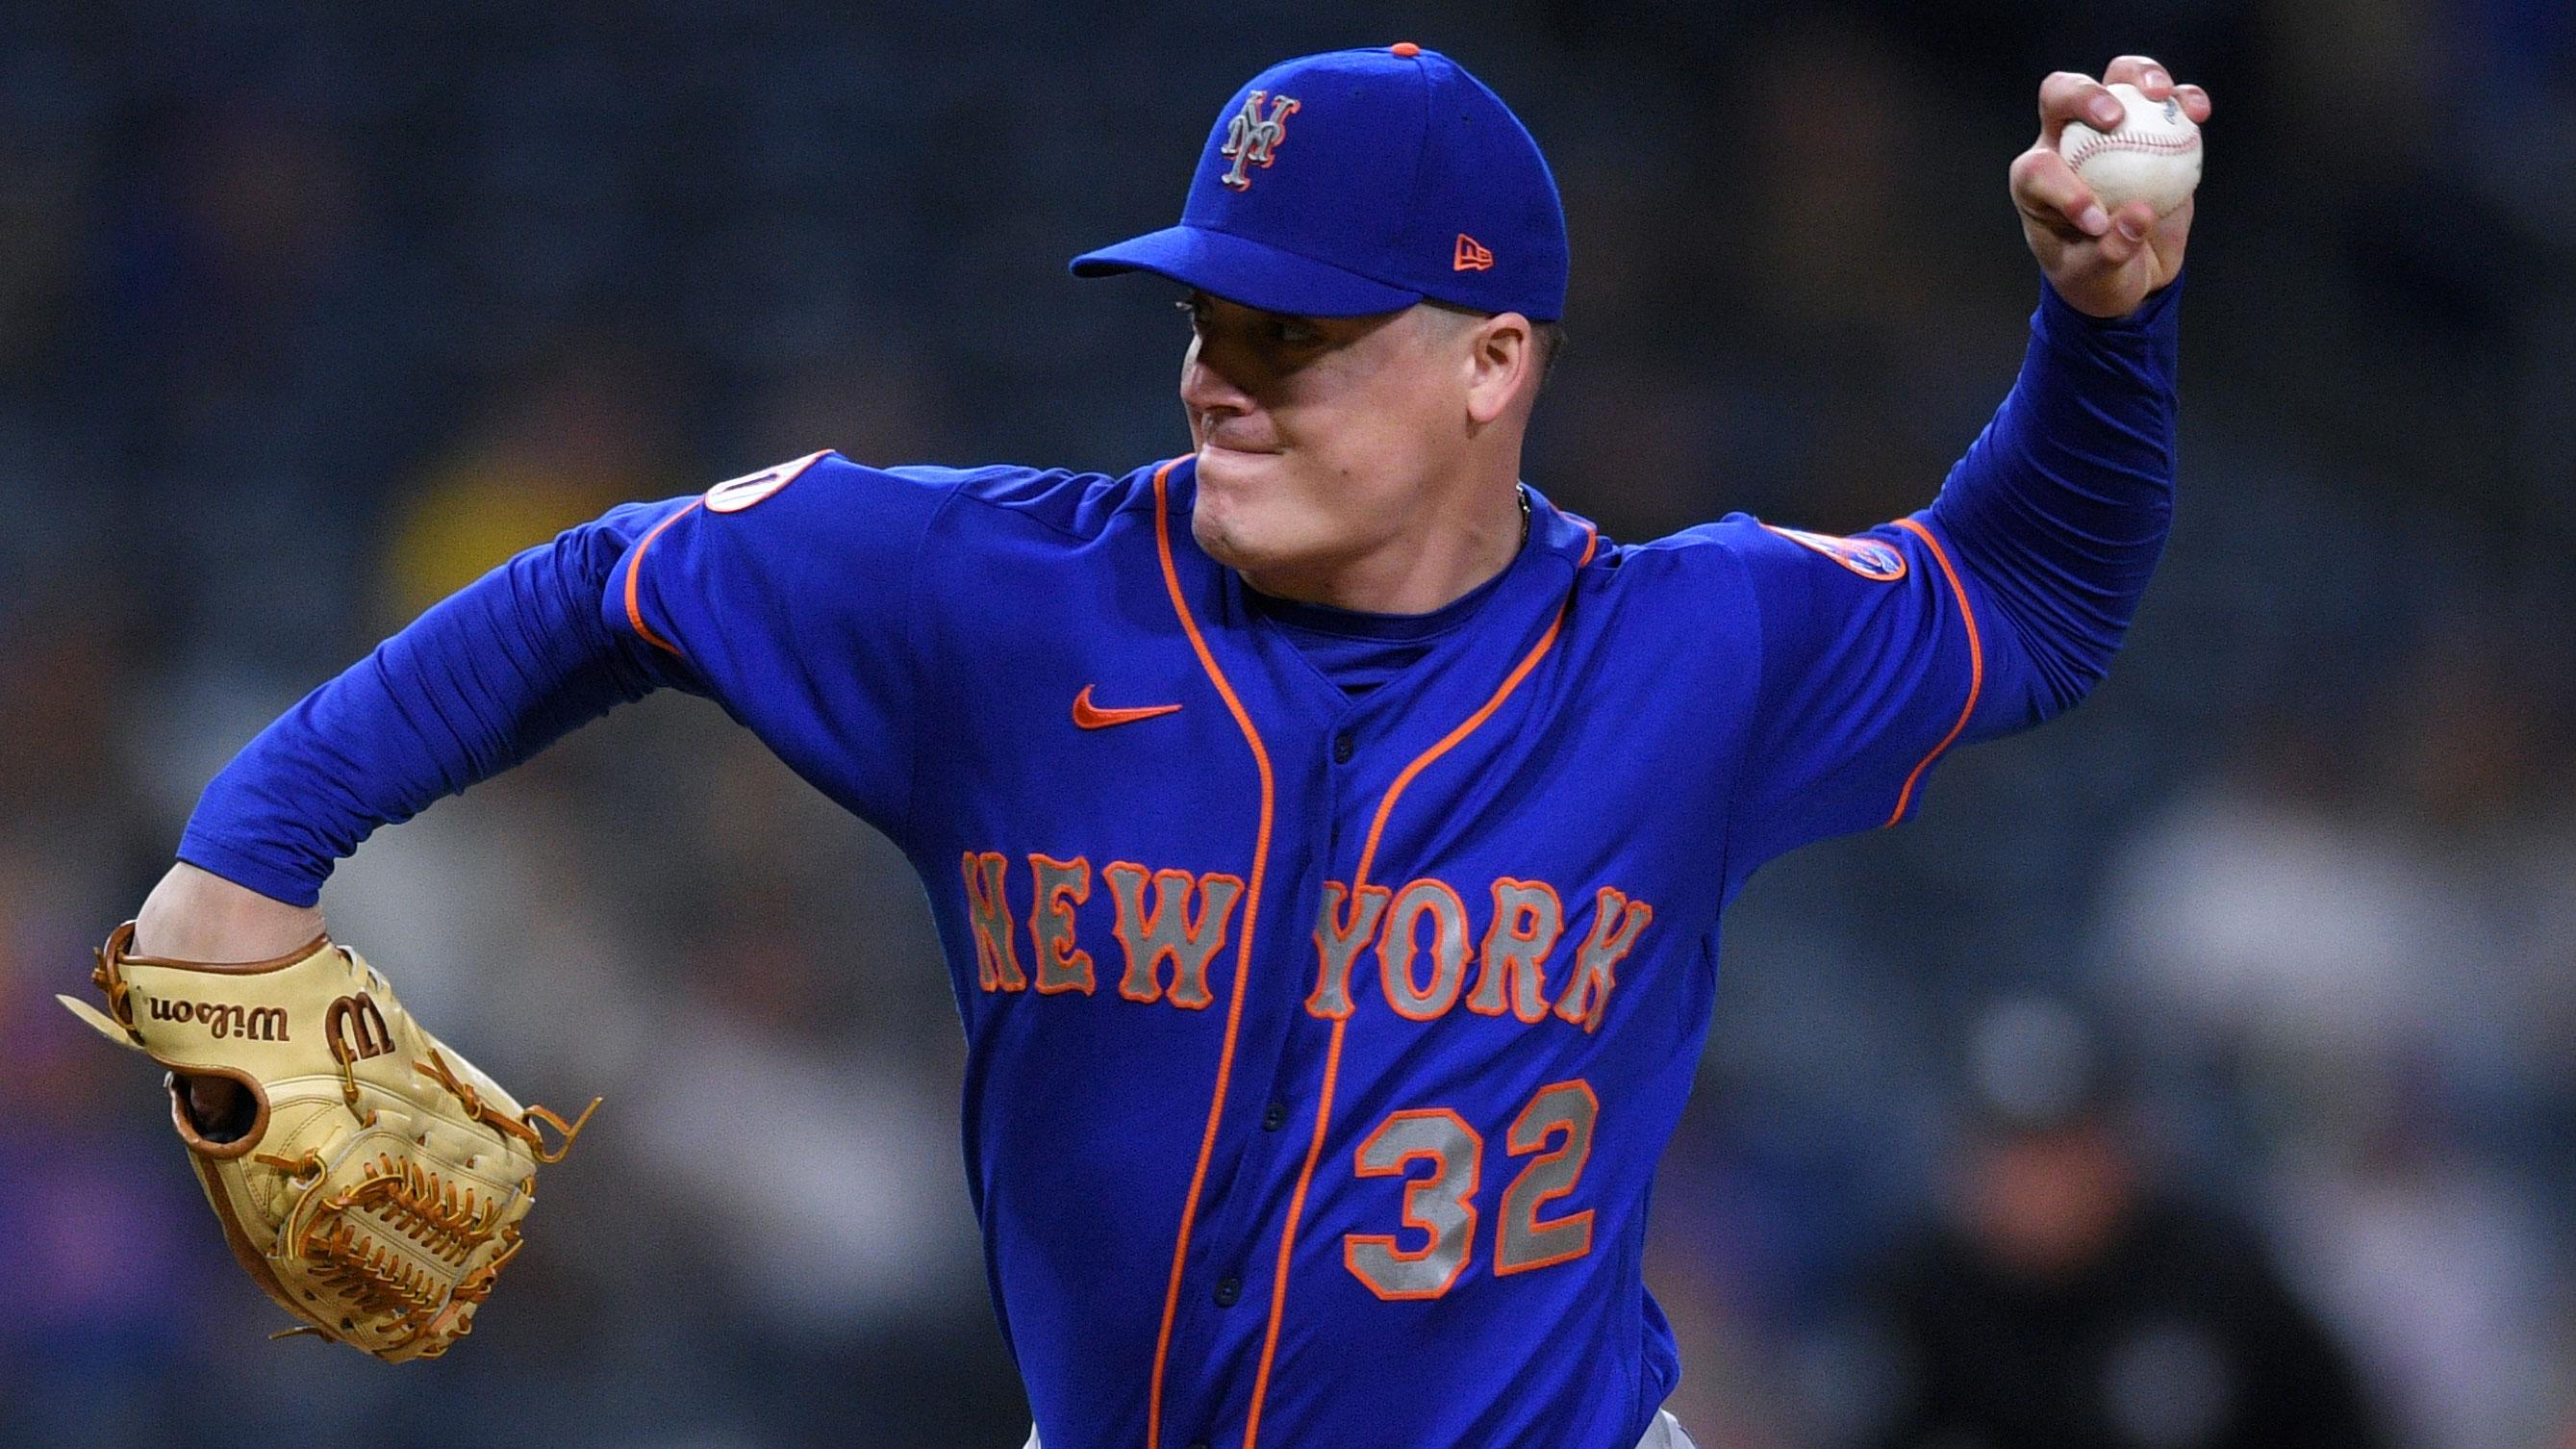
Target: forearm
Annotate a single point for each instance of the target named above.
(482, 681)
(2061, 507)
(194, 916)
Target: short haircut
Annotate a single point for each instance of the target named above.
(1547, 337)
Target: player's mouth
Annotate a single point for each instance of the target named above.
(1215, 437)
(1233, 440)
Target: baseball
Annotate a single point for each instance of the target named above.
(2154, 157)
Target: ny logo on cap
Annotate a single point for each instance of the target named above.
(1249, 139)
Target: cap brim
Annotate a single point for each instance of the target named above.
(1252, 273)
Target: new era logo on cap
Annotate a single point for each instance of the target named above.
(1408, 181)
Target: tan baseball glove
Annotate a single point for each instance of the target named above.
(381, 1179)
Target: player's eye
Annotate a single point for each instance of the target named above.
(1276, 332)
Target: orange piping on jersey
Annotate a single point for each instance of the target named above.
(635, 562)
(1333, 1048)
(1288, 1234)
(1473, 723)
(1242, 959)
(1976, 666)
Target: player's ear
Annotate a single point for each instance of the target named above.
(1502, 365)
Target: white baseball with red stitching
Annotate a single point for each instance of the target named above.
(2154, 157)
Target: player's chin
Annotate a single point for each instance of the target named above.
(1240, 534)
(1235, 490)
(1223, 537)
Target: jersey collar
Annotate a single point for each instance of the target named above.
(1466, 665)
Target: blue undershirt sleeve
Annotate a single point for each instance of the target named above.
(790, 606)
(2059, 510)
(1995, 608)
(483, 680)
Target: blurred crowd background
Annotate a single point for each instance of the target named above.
(310, 314)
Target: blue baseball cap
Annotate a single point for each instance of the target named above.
(1364, 181)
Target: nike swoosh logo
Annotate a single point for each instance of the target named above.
(1089, 716)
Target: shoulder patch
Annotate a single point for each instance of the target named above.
(1870, 558)
(736, 494)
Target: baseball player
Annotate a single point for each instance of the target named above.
(1327, 832)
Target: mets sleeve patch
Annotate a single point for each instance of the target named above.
(1870, 558)
(736, 494)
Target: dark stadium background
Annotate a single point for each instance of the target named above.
(310, 314)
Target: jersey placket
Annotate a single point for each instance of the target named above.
(1268, 1120)
(1220, 1305)
(1364, 757)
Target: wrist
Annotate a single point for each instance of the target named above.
(196, 915)
(2149, 310)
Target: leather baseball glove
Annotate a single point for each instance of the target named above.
(379, 1183)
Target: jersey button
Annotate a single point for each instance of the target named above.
(1228, 1289)
(1342, 748)
(1274, 1116)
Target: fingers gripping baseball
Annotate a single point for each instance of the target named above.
(2105, 256)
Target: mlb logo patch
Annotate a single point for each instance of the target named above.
(1871, 558)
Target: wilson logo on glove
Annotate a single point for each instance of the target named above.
(376, 1181)
(264, 1023)
(357, 1029)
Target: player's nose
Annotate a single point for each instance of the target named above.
(1206, 389)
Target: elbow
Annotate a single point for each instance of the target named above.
(2065, 681)
(2058, 667)
(2054, 621)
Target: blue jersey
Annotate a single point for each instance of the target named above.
(1321, 1045)
(1309, 1035)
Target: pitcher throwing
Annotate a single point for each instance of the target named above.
(1327, 831)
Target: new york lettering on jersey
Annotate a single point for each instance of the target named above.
(1309, 1035)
